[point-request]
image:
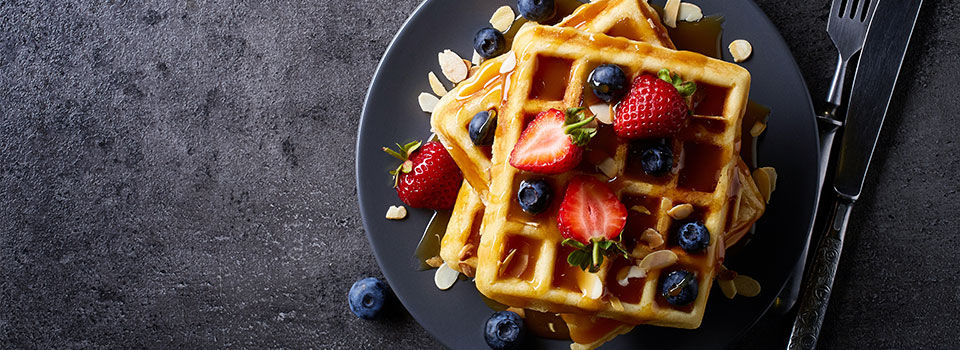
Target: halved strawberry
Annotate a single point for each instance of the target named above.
(591, 219)
(552, 143)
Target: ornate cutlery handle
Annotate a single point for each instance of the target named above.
(816, 294)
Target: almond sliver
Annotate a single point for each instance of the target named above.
(740, 50)
(445, 277)
(689, 12)
(746, 286)
(658, 260)
(452, 66)
(502, 19)
(436, 85)
(670, 11)
(427, 102)
(728, 288)
(509, 63)
(603, 112)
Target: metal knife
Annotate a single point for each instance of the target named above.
(876, 76)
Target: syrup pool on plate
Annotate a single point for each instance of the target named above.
(429, 245)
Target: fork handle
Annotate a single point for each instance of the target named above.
(816, 295)
(835, 95)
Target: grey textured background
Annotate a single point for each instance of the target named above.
(181, 175)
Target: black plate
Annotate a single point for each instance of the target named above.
(455, 317)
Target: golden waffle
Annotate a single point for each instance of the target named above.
(458, 248)
(459, 245)
(631, 19)
(521, 261)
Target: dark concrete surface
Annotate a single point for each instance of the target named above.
(181, 175)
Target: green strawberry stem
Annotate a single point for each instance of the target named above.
(589, 257)
(403, 155)
(684, 88)
(575, 121)
(597, 260)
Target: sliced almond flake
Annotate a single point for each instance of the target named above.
(772, 174)
(658, 260)
(608, 167)
(396, 212)
(689, 12)
(445, 277)
(476, 59)
(467, 269)
(436, 85)
(452, 66)
(766, 179)
(681, 211)
(758, 129)
(616, 303)
(427, 102)
(746, 286)
(520, 312)
(670, 11)
(434, 262)
(740, 50)
(651, 24)
(728, 288)
(502, 19)
(506, 262)
(591, 286)
(640, 209)
(603, 112)
(652, 237)
(509, 63)
(632, 272)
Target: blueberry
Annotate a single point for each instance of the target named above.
(482, 127)
(367, 297)
(489, 43)
(657, 160)
(693, 237)
(504, 330)
(679, 287)
(608, 81)
(534, 196)
(537, 10)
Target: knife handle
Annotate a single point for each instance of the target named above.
(816, 294)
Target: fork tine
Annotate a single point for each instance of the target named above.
(858, 14)
(848, 11)
(872, 7)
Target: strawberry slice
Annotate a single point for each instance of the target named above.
(553, 142)
(591, 219)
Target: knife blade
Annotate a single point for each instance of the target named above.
(873, 84)
(880, 60)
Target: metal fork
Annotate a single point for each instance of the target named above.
(847, 26)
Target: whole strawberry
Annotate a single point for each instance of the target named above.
(591, 218)
(428, 176)
(656, 106)
(553, 142)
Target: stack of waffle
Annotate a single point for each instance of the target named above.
(517, 257)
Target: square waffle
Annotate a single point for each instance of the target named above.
(483, 90)
(521, 261)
